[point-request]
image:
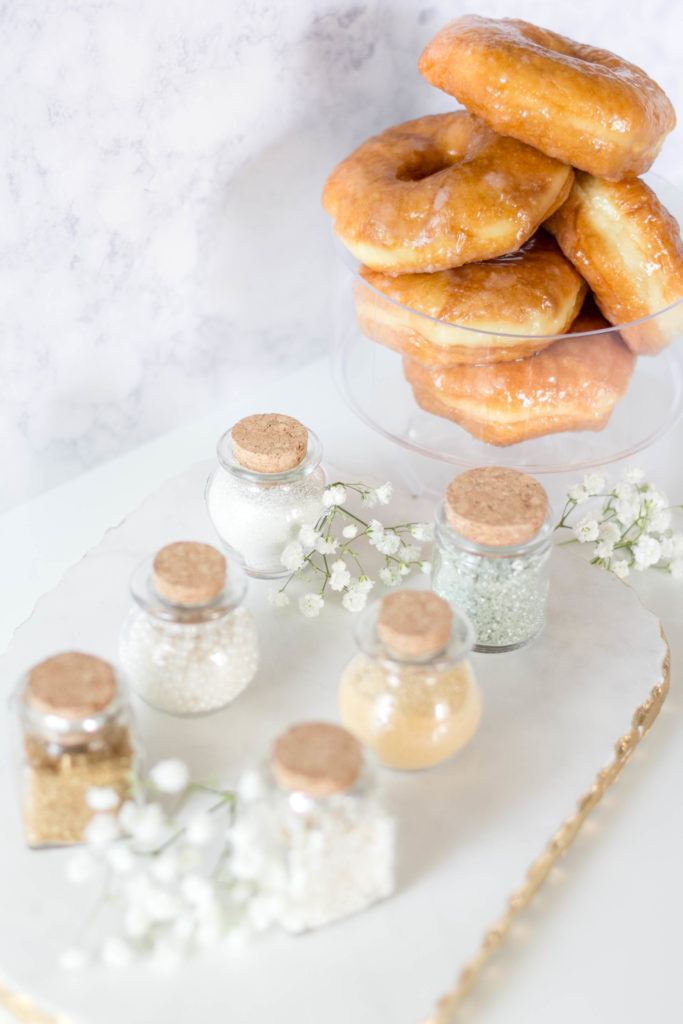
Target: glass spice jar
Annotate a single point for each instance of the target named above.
(188, 645)
(268, 481)
(410, 694)
(311, 833)
(76, 734)
(493, 538)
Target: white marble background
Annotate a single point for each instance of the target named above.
(162, 246)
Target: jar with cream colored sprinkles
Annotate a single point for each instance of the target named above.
(325, 840)
(267, 485)
(493, 538)
(76, 734)
(189, 646)
(410, 694)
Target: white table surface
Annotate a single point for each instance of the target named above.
(602, 942)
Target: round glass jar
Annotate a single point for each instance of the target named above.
(76, 733)
(312, 835)
(268, 483)
(188, 645)
(493, 538)
(410, 694)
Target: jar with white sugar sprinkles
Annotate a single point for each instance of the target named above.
(189, 646)
(493, 538)
(267, 485)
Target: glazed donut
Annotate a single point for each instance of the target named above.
(441, 191)
(628, 247)
(584, 106)
(515, 298)
(573, 384)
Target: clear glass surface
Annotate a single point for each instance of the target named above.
(371, 379)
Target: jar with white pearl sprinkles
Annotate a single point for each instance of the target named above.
(77, 735)
(188, 645)
(493, 538)
(312, 837)
(410, 694)
(267, 485)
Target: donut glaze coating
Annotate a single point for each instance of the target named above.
(441, 191)
(580, 104)
(573, 384)
(530, 293)
(628, 247)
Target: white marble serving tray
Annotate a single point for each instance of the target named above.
(468, 829)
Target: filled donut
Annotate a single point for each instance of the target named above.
(439, 318)
(441, 191)
(584, 106)
(573, 384)
(628, 247)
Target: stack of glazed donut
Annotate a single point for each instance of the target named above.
(486, 232)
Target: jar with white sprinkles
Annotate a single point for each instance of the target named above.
(267, 485)
(325, 842)
(494, 535)
(189, 646)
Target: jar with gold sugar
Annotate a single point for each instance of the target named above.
(189, 646)
(76, 734)
(268, 484)
(312, 835)
(410, 694)
(493, 539)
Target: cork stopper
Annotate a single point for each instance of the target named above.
(269, 443)
(71, 685)
(414, 622)
(189, 572)
(316, 758)
(496, 506)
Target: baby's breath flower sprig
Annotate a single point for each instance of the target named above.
(328, 555)
(632, 528)
(163, 873)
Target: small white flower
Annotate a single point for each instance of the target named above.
(160, 904)
(361, 585)
(197, 890)
(73, 959)
(369, 499)
(676, 568)
(654, 500)
(422, 531)
(388, 544)
(308, 535)
(677, 543)
(633, 475)
(409, 553)
(200, 830)
(250, 786)
(384, 493)
(609, 532)
(620, 568)
(603, 549)
(625, 490)
(278, 598)
(659, 520)
(150, 827)
(102, 798)
(326, 545)
(165, 868)
(647, 551)
(101, 829)
(578, 494)
(426, 568)
(390, 575)
(350, 531)
(80, 867)
(335, 495)
(404, 569)
(311, 605)
(627, 510)
(135, 922)
(586, 530)
(594, 483)
(375, 531)
(293, 556)
(354, 600)
(120, 858)
(116, 952)
(170, 776)
(340, 576)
